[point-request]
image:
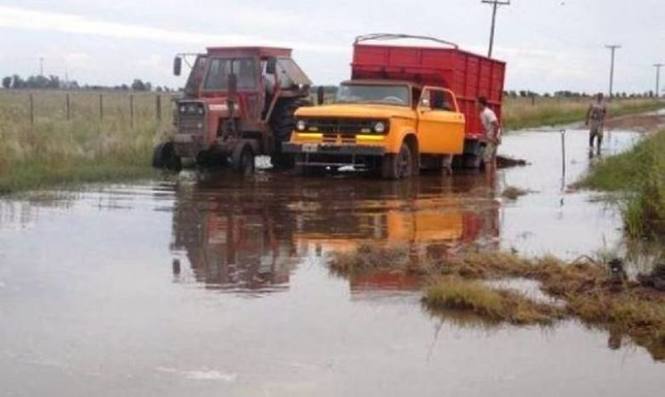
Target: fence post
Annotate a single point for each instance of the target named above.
(533, 100)
(131, 110)
(32, 110)
(158, 107)
(68, 107)
(101, 107)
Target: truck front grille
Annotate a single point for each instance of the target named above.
(340, 126)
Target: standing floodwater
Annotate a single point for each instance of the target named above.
(221, 287)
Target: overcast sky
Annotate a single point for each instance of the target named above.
(548, 44)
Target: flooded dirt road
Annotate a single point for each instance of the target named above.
(221, 287)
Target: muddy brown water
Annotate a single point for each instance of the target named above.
(220, 287)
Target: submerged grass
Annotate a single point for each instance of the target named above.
(639, 175)
(87, 147)
(495, 305)
(521, 113)
(586, 288)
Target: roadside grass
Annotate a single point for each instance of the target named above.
(589, 293)
(639, 177)
(85, 148)
(520, 113)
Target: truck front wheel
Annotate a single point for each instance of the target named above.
(398, 166)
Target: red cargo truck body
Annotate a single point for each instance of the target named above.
(468, 75)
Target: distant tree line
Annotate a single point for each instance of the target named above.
(55, 83)
(572, 94)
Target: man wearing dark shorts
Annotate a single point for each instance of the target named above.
(595, 120)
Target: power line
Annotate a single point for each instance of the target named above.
(495, 5)
(613, 48)
(658, 66)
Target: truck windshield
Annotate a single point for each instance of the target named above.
(384, 94)
(245, 70)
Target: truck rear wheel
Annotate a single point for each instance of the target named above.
(398, 166)
(243, 160)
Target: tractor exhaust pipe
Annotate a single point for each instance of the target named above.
(320, 95)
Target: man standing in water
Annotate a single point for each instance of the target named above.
(595, 120)
(492, 133)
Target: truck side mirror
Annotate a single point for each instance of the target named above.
(177, 66)
(320, 95)
(271, 66)
(233, 84)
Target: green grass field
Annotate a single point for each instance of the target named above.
(521, 113)
(87, 147)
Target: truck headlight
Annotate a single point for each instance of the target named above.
(301, 125)
(380, 127)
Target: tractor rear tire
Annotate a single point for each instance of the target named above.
(283, 122)
(243, 160)
(398, 166)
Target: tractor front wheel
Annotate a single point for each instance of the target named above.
(164, 157)
(243, 160)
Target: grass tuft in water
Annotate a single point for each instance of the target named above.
(495, 305)
(513, 193)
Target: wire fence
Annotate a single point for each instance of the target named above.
(126, 109)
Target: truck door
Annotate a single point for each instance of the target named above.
(440, 124)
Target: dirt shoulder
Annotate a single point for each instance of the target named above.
(644, 123)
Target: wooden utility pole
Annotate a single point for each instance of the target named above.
(495, 6)
(613, 48)
(658, 66)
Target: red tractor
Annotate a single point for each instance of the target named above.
(238, 103)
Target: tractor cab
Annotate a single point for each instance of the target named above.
(238, 102)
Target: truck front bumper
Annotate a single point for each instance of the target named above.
(333, 149)
(335, 155)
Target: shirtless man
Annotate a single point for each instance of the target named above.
(595, 120)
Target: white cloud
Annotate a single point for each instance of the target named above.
(25, 19)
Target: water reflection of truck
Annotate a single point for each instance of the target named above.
(405, 109)
(428, 225)
(426, 222)
(242, 237)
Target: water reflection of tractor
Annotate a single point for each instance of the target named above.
(239, 102)
(231, 247)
